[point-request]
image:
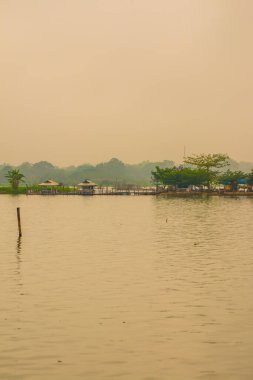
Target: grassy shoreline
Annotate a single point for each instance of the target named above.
(9, 190)
(24, 189)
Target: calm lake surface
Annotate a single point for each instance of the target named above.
(126, 288)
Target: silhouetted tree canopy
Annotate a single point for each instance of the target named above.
(210, 163)
(113, 172)
(180, 177)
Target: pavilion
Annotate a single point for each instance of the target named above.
(49, 186)
(87, 187)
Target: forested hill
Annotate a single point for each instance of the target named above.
(113, 172)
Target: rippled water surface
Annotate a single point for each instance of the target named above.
(126, 288)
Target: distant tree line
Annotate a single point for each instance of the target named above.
(199, 170)
(111, 173)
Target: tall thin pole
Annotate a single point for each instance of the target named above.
(19, 222)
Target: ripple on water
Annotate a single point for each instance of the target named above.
(130, 288)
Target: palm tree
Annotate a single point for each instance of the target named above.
(14, 177)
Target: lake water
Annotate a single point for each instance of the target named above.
(126, 288)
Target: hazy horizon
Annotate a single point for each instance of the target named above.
(85, 81)
(94, 164)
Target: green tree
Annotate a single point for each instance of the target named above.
(180, 177)
(166, 176)
(196, 177)
(210, 163)
(14, 177)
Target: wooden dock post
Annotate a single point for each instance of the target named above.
(19, 222)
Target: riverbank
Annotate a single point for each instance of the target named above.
(31, 190)
(10, 191)
(110, 191)
(207, 194)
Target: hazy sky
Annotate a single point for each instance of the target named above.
(87, 80)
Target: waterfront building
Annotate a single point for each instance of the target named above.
(49, 186)
(87, 187)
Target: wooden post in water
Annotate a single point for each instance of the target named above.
(19, 222)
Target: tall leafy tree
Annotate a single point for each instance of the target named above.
(180, 177)
(210, 163)
(14, 177)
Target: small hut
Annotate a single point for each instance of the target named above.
(49, 186)
(87, 187)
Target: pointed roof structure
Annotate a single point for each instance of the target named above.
(87, 183)
(49, 182)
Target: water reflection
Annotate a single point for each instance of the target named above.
(19, 246)
(18, 253)
(19, 260)
(127, 287)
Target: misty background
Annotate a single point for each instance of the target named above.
(84, 81)
(113, 172)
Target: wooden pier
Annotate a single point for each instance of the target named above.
(109, 191)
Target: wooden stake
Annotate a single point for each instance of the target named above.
(19, 222)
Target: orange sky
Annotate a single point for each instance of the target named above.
(87, 80)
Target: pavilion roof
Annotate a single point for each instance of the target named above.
(87, 183)
(49, 182)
